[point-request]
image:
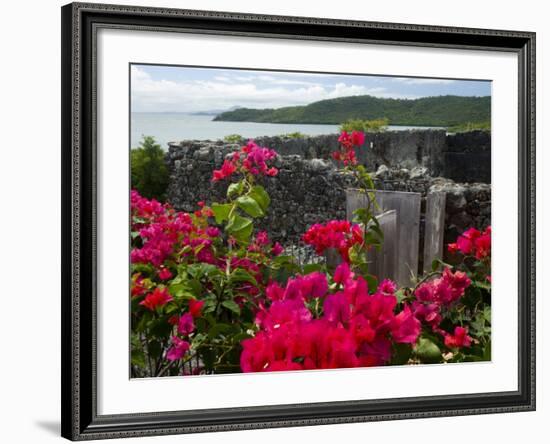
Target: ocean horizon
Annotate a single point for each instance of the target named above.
(168, 127)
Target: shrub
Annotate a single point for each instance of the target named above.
(233, 138)
(212, 294)
(366, 126)
(149, 174)
(295, 135)
(470, 126)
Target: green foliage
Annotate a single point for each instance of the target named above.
(367, 126)
(471, 126)
(295, 135)
(149, 174)
(427, 111)
(233, 138)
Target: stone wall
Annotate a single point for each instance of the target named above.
(463, 157)
(310, 190)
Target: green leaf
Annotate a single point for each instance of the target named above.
(241, 275)
(427, 351)
(372, 282)
(259, 194)
(240, 227)
(310, 268)
(249, 205)
(235, 188)
(219, 328)
(221, 211)
(238, 223)
(401, 354)
(138, 358)
(232, 305)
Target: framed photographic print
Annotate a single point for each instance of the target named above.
(277, 221)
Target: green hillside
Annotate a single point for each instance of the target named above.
(426, 111)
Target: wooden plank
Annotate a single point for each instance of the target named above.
(383, 262)
(407, 207)
(434, 228)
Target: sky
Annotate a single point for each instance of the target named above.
(160, 88)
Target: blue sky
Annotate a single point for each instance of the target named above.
(180, 89)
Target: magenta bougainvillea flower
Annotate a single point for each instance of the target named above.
(178, 349)
(165, 274)
(355, 329)
(186, 325)
(251, 158)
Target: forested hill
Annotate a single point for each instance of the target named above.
(426, 111)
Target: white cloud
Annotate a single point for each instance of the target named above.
(224, 92)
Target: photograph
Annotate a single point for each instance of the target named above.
(290, 221)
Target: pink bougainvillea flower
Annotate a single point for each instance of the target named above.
(157, 298)
(405, 327)
(337, 308)
(274, 292)
(283, 312)
(165, 274)
(342, 273)
(459, 339)
(314, 285)
(213, 231)
(195, 307)
(186, 324)
(428, 313)
(178, 349)
(357, 138)
(387, 287)
(277, 249)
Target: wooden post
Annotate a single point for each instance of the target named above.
(435, 228)
(407, 207)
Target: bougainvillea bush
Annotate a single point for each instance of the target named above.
(211, 293)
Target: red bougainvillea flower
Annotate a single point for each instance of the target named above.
(157, 298)
(138, 287)
(459, 339)
(178, 349)
(165, 274)
(347, 141)
(186, 324)
(195, 308)
(482, 244)
(473, 242)
(338, 234)
(227, 169)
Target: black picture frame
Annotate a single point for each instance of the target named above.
(80, 420)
